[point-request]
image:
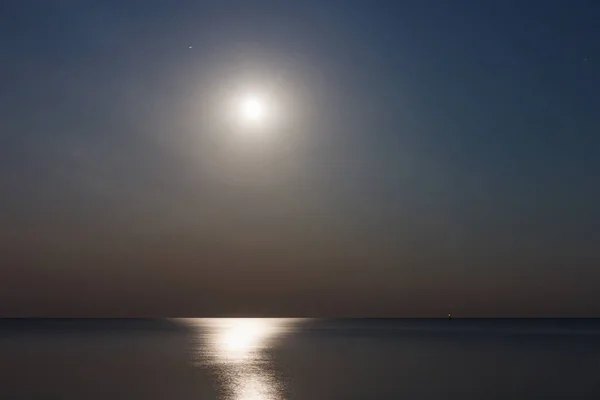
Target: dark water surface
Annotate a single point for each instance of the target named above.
(273, 359)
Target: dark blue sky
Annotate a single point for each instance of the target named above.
(437, 156)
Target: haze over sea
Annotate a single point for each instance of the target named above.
(276, 359)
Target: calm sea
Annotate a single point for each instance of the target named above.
(251, 359)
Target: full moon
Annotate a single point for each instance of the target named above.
(252, 108)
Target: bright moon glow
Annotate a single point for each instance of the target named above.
(253, 108)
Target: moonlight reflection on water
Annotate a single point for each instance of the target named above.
(234, 348)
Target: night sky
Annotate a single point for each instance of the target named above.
(429, 156)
